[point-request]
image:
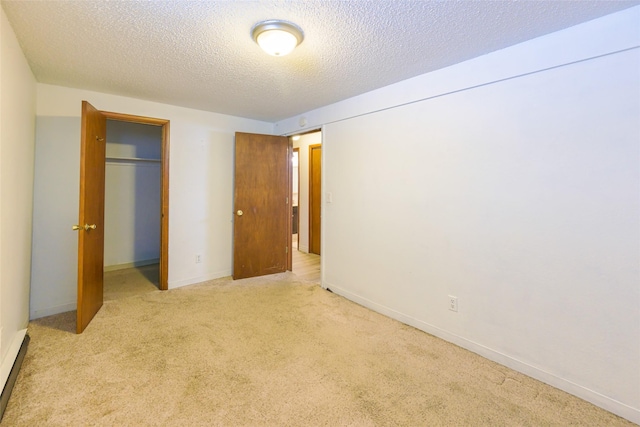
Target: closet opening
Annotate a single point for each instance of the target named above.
(133, 197)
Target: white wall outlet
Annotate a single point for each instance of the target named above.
(198, 258)
(453, 303)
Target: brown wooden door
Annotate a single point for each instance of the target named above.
(91, 216)
(315, 197)
(262, 222)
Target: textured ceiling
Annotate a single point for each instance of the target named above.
(200, 54)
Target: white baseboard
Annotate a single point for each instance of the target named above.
(605, 402)
(10, 358)
(304, 249)
(50, 311)
(131, 264)
(199, 279)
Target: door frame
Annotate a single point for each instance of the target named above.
(164, 184)
(297, 178)
(290, 203)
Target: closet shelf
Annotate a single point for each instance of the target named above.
(131, 159)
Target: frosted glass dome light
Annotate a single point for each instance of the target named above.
(277, 38)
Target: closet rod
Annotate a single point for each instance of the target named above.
(132, 159)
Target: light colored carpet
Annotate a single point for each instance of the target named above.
(129, 282)
(271, 351)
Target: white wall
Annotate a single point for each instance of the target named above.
(132, 194)
(200, 200)
(518, 193)
(17, 118)
(303, 192)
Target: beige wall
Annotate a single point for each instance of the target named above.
(17, 118)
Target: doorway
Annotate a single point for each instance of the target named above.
(163, 261)
(132, 209)
(305, 263)
(92, 200)
(315, 197)
(295, 215)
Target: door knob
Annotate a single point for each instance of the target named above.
(239, 213)
(86, 227)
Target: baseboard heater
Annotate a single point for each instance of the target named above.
(15, 369)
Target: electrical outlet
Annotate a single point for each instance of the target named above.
(198, 258)
(453, 303)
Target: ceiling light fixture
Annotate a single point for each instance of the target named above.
(277, 38)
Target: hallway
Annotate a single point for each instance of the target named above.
(306, 266)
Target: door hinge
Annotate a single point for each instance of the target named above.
(286, 249)
(287, 201)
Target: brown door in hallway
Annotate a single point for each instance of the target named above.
(315, 197)
(262, 220)
(91, 215)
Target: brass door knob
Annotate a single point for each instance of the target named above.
(85, 227)
(239, 213)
